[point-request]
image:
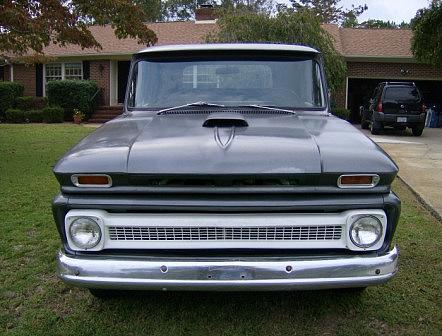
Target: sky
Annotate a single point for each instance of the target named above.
(388, 10)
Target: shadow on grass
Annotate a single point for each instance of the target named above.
(302, 302)
(254, 313)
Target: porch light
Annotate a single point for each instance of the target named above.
(358, 181)
(91, 180)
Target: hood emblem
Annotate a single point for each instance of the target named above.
(224, 136)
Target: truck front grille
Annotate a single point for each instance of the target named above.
(271, 233)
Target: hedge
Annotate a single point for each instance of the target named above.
(53, 114)
(15, 115)
(28, 103)
(9, 91)
(73, 94)
(34, 115)
(341, 113)
(19, 116)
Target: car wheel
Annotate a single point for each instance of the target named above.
(376, 127)
(417, 131)
(364, 123)
(103, 294)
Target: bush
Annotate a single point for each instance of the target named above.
(73, 94)
(15, 116)
(341, 113)
(34, 116)
(53, 114)
(9, 91)
(19, 116)
(27, 103)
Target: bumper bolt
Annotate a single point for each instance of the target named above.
(288, 269)
(163, 269)
(378, 271)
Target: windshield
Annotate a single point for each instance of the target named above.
(283, 82)
(402, 94)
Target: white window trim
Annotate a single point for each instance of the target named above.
(62, 73)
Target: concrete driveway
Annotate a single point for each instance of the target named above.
(419, 160)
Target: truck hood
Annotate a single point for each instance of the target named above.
(181, 145)
(270, 144)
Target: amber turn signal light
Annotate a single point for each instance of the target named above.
(93, 180)
(358, 181)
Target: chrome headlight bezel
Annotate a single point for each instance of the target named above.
(379, 230)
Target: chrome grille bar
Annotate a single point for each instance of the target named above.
(290, 233)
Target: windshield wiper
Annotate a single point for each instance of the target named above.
(266, 107)
(198, 103)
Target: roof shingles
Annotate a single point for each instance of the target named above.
(349, 42)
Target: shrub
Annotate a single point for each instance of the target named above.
(53, 114)
(9, 91)
(73, 94)
(19, 116)
(34, 116)
(15, 116)
(341, 113)
(27, 103)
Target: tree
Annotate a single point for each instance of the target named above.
(426, 43)
(378, 24)
(352, 22)
(29, 25)
(328, 11)
(152, 9)
(286, 26)
(185, 9)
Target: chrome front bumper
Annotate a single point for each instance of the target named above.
(229, 274)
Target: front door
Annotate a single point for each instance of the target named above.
(123, 74)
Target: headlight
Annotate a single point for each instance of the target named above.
(85, 233)
(366, 231)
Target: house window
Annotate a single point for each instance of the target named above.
(73, 71)
(54, 71)
(59, 71)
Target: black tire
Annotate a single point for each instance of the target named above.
(417, 131)
(103, 294)
(376, 127)
(364, 123)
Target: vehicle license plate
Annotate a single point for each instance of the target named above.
(401, 119)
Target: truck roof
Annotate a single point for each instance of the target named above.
(229, 46)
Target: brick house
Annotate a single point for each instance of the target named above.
(372, 55)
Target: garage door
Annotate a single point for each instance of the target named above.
(361, 89)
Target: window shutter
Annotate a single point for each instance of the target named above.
(2, 73)
(39, 80)
(86, 70)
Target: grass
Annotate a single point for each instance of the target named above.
(33, 301)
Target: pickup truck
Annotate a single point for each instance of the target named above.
(226, 171)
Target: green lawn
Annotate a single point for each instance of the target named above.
(34, 302)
